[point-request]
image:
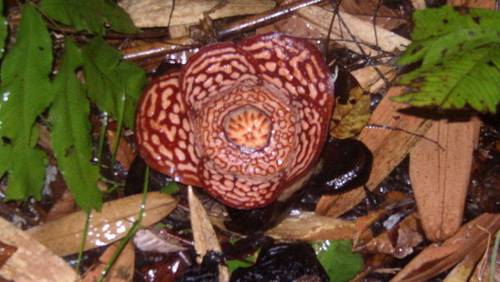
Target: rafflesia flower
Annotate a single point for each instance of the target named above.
(243, 121)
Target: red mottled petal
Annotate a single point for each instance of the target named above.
(164, 134)
(242, 193)
(297, 66)
(212, 70)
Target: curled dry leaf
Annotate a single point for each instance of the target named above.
(389, 147)
(399, 241)
(155, 13)
(150, 240)
(440, 175)
(438, 258)
(63, 236)
(31, 261)
(350, 117)
(204, 236)
(310, 226)
(401, 231)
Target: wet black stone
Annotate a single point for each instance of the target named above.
(283, 262)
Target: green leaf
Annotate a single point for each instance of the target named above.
(26, 93)
(89, 15)
(25, 86)
(113, 84)
(26, 172)
(170, 188)
(69, 116)
(460, 60)
(338, 260)
(3, 29)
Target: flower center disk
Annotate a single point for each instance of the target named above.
(248, 127)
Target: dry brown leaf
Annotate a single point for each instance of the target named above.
(125, 155)
(368, 9)
(374, 78)
(348, 119)
(440, 175)
(359, 30)
(389, 148)
(149, 240)
(485, 4)
(419, 4)
(156, 13)
(121, 271)
(398, 242)
(6, 251)
(31, 261)
(204, 236)
(438, 258)
(64, 205)
(63, 236)
(463, 270)
(310, 226)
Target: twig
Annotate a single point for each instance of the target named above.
(264, 18)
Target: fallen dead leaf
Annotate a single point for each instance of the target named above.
(389, 148)
(204, 236)
(121, 271)
(485, 4)
(31, 261)
(156, 13)
(349, 118)
(6, 251)
(149, 240)
(358, 31)
(125, 155)
(473, 236)
(310, 226)
(63, 236)
(440, 175)
(368, 9)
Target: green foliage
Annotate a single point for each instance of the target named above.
(113, 84)
(170, 188)
(89, 15)
(460, 59)
(339, 261)
(26, 93)
(3, 29)
(69, 116)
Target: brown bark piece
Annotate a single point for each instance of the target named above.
(389, 148)
(438, 258)
(31, 261)
(440, 174)
(63, 236)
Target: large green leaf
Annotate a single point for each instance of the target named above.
(339, 261)
(26, 172)
(113, 84)
(3, 29)
(25, 94)
(89, 15)
(25, 86)
(460, 59)
(69, 116)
